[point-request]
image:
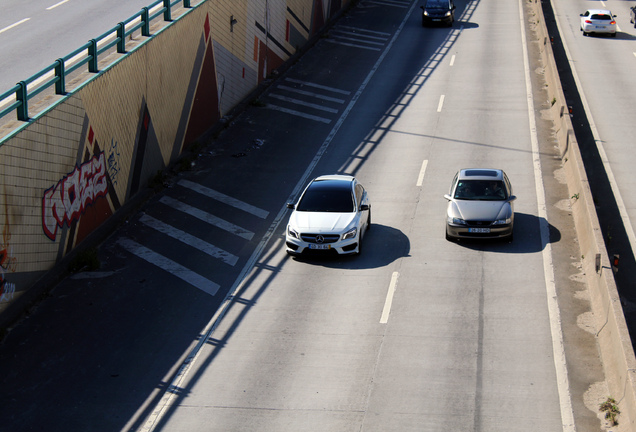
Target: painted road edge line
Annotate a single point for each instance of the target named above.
(558, 349)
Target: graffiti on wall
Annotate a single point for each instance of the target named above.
(7, 264)
(113, 162)
(69, 199)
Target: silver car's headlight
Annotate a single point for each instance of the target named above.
(425, 13)
(292, 233)
(448, 13)
(455, 221)
(502, 221)
(350, 234)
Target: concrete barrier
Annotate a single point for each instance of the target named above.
(615, 345)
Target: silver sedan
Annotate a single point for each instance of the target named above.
(480, 205)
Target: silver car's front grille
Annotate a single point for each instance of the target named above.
(320, 238)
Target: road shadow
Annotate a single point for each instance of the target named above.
(381, 246)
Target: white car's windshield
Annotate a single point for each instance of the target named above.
(324, 197)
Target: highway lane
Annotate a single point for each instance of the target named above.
(34, 34)
(603, 69)
(415, 333)
(309, 344)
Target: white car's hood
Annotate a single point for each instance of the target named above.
(480, 210)
(315, 222)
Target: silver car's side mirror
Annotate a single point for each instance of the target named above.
(448, 197)
(512, 198)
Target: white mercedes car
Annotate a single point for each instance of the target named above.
(332, 216)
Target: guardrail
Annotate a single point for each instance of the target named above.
(17, 98)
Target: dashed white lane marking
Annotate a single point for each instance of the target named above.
(14, 25)
(361, 30)
(389, 298)
(170, 266)
(57, 4)
(224, 198)
(420, 178)
(189, 239)
(452, 60)
(441, 103)
(207, 217)
(558, 349)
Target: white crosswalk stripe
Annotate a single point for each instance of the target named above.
(189, 239)
(170, 266)
(308, 100)
(207, 217)
(160, 255)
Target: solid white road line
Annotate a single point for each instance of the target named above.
(189, 239)
(389, 298)
(14, 25)
(207, 217)
(224, 198)
(558, 349)
(420, 178)
(170, 266)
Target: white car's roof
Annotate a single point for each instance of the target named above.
(599, 11)
(335, 177)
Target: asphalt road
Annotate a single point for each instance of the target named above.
(33, 34)
(198, 320)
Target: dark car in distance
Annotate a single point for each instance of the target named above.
(438, 12)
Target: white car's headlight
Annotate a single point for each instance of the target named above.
(448, 13)
(350, 234)
(292, 233)
(425, 13)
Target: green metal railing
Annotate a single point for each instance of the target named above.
(92, 49)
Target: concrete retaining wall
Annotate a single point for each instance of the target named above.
(74, 166)
(614, 342)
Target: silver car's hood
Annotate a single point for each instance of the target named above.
(319, 222)
(480, 210)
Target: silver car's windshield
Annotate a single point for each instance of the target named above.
(485, 190)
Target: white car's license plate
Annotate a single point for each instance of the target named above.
(478, 230)
(319, 246)
(601, 27)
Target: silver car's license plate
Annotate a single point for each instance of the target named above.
(319, 246)
(479, 230)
